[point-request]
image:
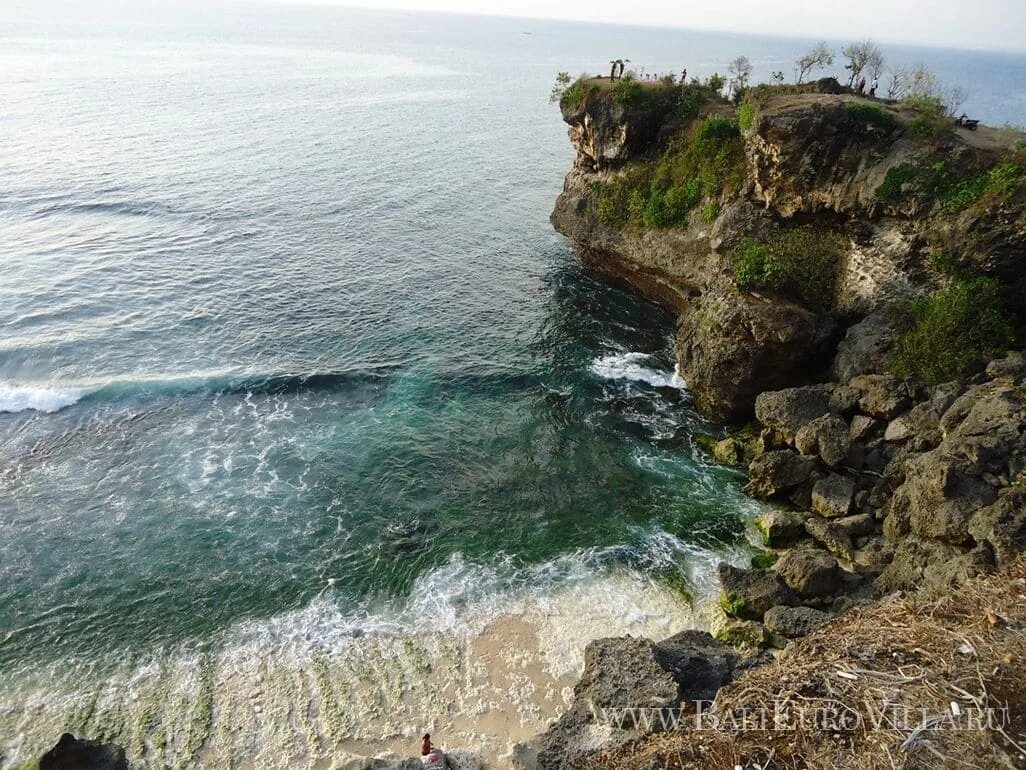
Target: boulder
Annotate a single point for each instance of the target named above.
(828, 436)
(731, 346)
(831, 536)
(1002, 525)
(621, 672)
(1011, 368)
(780, 527)
(867, 346)
(881, 395)
(863, 427)
(699, 664)
(832, 496)
(748, 593)
(618, 672)
(786, 411)
(794, 622)
(70, 753)
(811, 573)
(778, 472)
(919, 563)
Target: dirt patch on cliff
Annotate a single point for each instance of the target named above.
(917, 682)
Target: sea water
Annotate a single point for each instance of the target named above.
(314, 433)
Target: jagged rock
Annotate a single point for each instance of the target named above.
(828, 436)
(621, 672)
(606, 131)
(1002, 525)
(618, 672)
(777, 472)
(862, 427)
(787, 411)
(867, 346)
(699, 664)
(729, 451)
(794, 622)
(732, 346)
(832, 496)
(833, 537)
(881, 395)
(859, 525)
(810, 573)
(899, 429)
(1011, 368)
(919, 562)
(70, 753)
(780, 527)
(347, 761)
(748, 593)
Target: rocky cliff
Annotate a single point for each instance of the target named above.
(879, 189)
(849, 273)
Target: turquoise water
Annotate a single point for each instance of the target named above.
(285, 333)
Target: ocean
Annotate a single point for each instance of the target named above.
(313, 433)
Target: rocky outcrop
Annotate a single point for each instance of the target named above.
(653, 678)
(607, 131)
(932, 492)
(71, 753)
(821, 158)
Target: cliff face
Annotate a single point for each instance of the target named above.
(811, 160)
(790, 238)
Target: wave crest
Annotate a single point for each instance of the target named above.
(40, 398)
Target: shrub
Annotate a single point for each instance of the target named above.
(931, 121)
(706, 159)
(953, 330)
(802, 263)
(999, 183)
(870, 113)
(710, 211)
(746, 114)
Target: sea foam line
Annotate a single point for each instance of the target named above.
(631, 366)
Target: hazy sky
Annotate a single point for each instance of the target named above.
(999, 24)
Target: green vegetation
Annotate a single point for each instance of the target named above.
(931, 121)
(704, 160)
(710, 211)
(734, 607)
(938, 182)
(870, 113)
(802, 263)
(953, 329)
(764, 558)
(746, 114)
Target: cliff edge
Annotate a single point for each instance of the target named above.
(775, 226)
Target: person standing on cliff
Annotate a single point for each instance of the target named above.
(876, 85)
(862, 86)
(684, 76)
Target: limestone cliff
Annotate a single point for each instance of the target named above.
(809, 163)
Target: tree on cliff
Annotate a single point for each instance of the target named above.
(817, 58)
(863, 56)
(741, 69)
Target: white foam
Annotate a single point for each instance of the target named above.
(632, 366)
(487, 651)
(19, 398)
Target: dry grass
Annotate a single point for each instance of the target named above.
(931, 664)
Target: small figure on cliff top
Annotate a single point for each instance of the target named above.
(862, 85)
(684, 75)
(432, 758)
(876, 85)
